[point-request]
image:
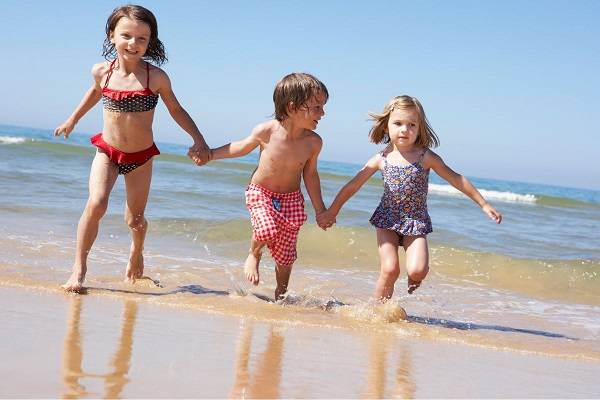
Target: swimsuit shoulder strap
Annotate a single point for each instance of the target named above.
(147, 75)
(382, 154)
(110, 71)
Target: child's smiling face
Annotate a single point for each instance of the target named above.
(309, 114)
(403, 127)
(131, 38)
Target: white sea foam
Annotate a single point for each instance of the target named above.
(13, 140)
(488, 194)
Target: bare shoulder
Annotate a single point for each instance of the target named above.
(375, 161)
(159, 79)
(100, 70)
(264, 130)
(431, 158)
(314, 140)
(157, 73)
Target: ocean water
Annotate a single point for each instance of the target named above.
(527, 284)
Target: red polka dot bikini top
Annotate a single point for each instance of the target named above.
(128, 100)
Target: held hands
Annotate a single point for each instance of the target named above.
(325, 219)
(65, 129)
(492, 212)
(200, 153)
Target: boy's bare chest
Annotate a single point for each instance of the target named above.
(285, 157)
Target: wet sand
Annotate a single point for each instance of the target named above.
(90, 346)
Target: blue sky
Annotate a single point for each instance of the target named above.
(510, 87)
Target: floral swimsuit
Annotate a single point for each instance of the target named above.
(403, 206)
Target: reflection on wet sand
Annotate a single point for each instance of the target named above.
(72, 357)
(376, 377)
(264, 382)
(114, 381)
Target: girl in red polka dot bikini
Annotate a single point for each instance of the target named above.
(129, 87)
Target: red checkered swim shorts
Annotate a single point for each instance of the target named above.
(276, 219)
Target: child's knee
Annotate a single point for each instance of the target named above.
(390, 271)
(418, 273)
(135, 222)
(96, 208)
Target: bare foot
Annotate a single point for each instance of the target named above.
(75, 282)
(251, 268)
(413, 285)
(135, 268)
(149, 281)
(280, 292)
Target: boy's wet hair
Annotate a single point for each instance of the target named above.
(297, 88)
(156, 50)
(379, 132)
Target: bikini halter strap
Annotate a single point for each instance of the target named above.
(110, 71)
(147, 75)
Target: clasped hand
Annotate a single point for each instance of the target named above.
(325, 219)
(199, 153)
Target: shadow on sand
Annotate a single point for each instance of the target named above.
(468, 326)
(194, 289)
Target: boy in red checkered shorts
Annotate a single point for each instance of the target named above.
(289, 148)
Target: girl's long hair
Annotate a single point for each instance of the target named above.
(379, 134)
(155, 52)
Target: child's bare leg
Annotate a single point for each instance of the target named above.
(137, 185)
(252, 261)
(387, 242)
(103, 175)
(282, 274)
(417, 260)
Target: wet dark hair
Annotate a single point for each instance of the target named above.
(155, 52)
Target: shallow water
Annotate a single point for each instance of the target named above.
(524, 285)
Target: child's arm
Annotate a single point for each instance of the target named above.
(461, 183)
(90, 98)
(199, 152)
(349, 189)
(312, 181)
(242, 147)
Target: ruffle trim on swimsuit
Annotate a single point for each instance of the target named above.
(403, 225)
(126, 94)
(119, 157)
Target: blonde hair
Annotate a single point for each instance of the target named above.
(378, 133)
(297, 88)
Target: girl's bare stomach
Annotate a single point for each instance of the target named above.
(128, 132)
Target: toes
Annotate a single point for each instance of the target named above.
(253, 279)
(72, 289)
(413, 287)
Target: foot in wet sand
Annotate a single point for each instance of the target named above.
(75, 282)
(280, 293)
(251, 268)
(147, 281)
(413, 285)
(135, 268)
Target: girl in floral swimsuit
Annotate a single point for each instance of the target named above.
(401, 219)
(129, 88)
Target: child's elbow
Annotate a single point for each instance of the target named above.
(177, 111)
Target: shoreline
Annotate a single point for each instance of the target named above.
(307, 312)
(96, 346)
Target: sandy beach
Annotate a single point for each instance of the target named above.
(509, 312)
(122, 345)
